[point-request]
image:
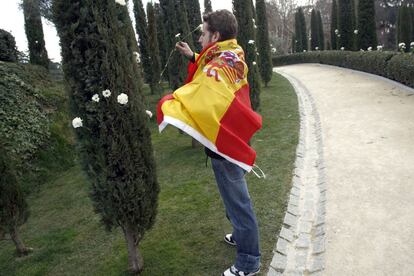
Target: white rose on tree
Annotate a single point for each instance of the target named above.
(77, 122)
(122, 98)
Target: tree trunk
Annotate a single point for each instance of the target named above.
(21, 249)
(135, 260)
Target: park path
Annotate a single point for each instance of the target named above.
(351, 208)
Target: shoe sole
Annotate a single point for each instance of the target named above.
(229, 242)
(251, 274)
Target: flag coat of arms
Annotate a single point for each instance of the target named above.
(214, 105)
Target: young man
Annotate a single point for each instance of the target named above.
(214, 108)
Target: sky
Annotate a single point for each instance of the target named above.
(11, 20)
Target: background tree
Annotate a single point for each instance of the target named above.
(161, 35)
(8, 50)
(321, 33)
(314, 31)
(142, 31)
(184, 30)
(194, 20)
(405, 27)
(34, 33)
(334, 25)
(265, 56)
(13, 207)
(301, 37)
(115, 143)
(154, 49)
(244, 15)
(367, 31)
(207, 6)
(345, 25)
(172, 28)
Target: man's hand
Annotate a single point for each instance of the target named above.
(184, 49)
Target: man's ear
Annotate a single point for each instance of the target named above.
(215, 37)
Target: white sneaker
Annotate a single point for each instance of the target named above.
(232, 271)
(229, 239)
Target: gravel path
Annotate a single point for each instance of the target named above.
(351, 208)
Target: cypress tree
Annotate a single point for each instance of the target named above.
(154, 50)
(244, 15)
(13, 207)
(300, 31)
(405, 28)
(321, 34)
(293, 43)
(34, 33)
(367, 34)
(314, 31)
(142, 31)
(207, 6)
(172, 28)
(265, 55)
(345, 25)
(304, 34)
(194, 20)
(8, 50)
(334, 25)
(184, 29)
(115, 144)
(161, 35)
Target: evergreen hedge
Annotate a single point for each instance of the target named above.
(8, 50)
(392, 65)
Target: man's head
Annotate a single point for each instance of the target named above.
(219, 25)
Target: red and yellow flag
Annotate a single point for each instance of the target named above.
(214, 106)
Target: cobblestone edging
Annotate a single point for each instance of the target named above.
(300, 247)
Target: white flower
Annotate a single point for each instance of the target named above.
(336, 31)
(106, 93)
(379, 47)
(412, 44)
(254, 21)
(178, 35)
(95, 98)
(77, 122)
(355, 31)
(137, 57)
(369, 49)
(342, 48)
(339, 35)
(120, 2)
(273, 50)
(251, 41)
(304, 51)
(36, 41)
(258, 54)
(310, 38)
(362, 50)
(122, 98)
(255, 26)
(316, 48)
(254, 62)
(149, 113)
(401, 45)
(200, 27)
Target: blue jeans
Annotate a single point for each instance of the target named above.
(239, 210)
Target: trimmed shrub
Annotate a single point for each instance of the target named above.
(8, 50)
(392, 65)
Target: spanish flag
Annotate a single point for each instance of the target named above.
(214, 105)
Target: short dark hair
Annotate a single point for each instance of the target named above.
(223, 22)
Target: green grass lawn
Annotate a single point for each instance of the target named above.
(187, 238)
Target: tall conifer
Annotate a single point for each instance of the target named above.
(34, 33)
(207, 6)
(345, 25)
(106, 93)
(314, 31)
(321, 34)
(154, 49)
(244, 15)
(405, 27)
(194, 20)
(142, 31)
(265, 55)
(334, 25)
(367, 31)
